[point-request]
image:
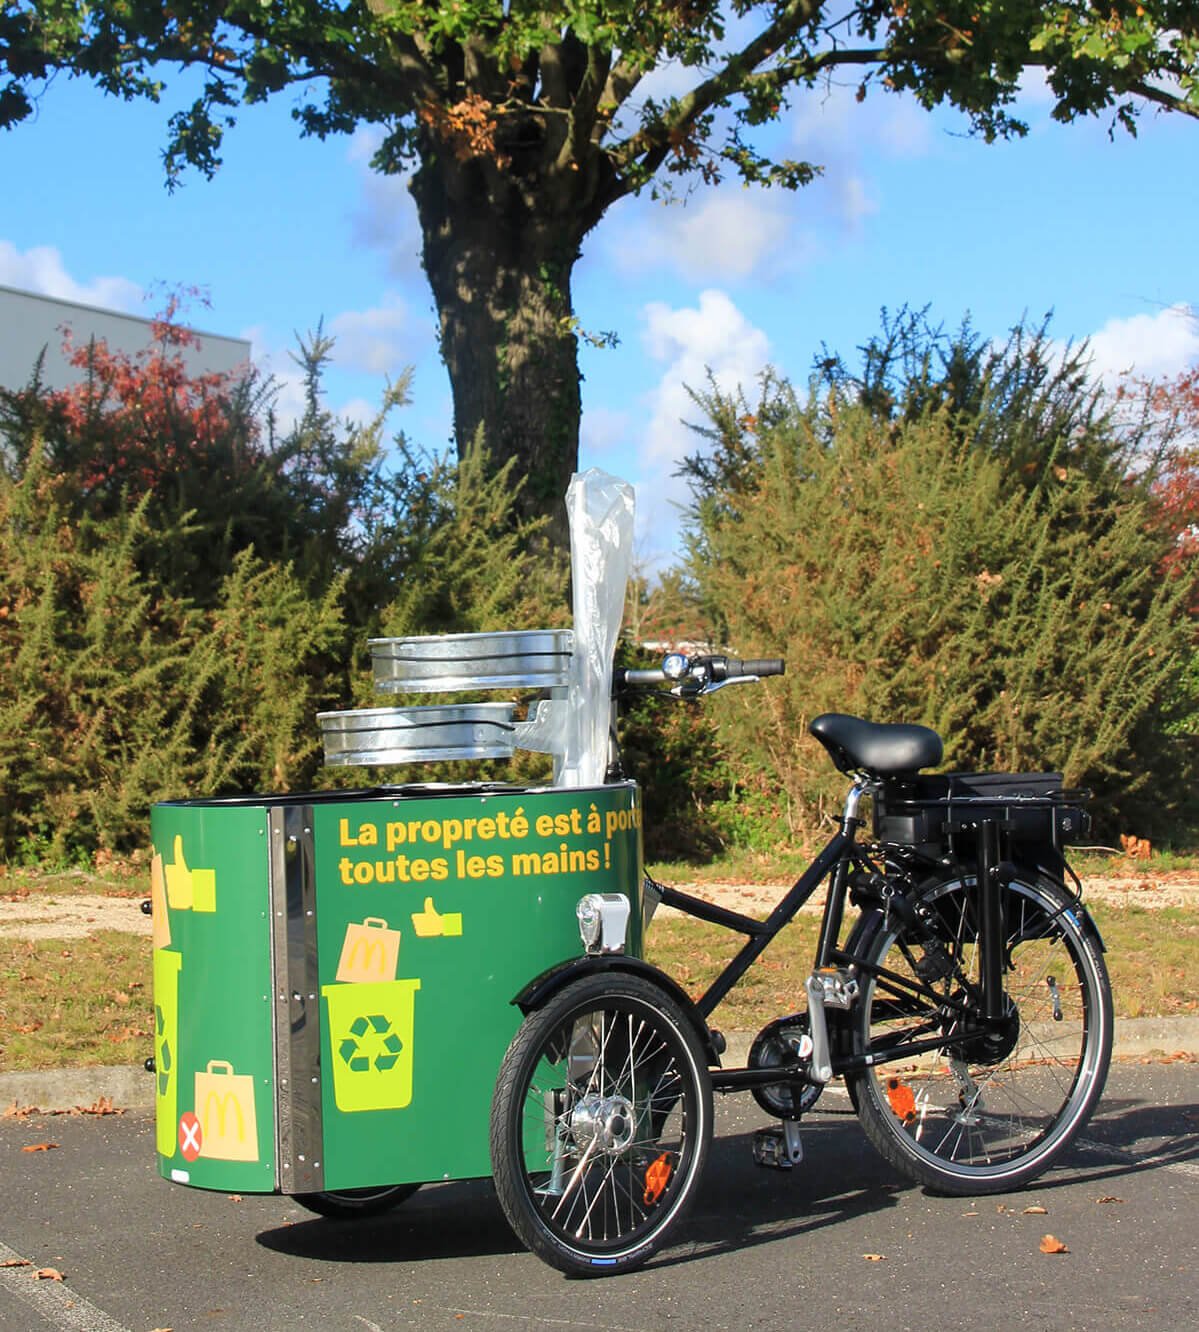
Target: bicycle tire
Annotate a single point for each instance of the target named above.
(600, 1125)
(351, 1204)
(972, 1117)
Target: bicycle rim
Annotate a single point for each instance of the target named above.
(602, 1121)
(971, 1115)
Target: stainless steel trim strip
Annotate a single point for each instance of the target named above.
(296, 1000)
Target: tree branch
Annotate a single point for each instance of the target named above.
(1160, 97)
(585, 106)
(654, 141)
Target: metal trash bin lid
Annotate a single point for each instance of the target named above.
(384, 736)
(441, 663)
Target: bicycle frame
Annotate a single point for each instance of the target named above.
(826, 985)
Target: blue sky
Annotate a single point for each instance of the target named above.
(1102, 232)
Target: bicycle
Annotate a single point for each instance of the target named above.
(966, 1005)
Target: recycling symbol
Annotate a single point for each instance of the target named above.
(162, 1060)
(371, 1044)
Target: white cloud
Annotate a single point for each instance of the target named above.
(41, 270)
(278, 364)
(384, 218)
(718, 234)
(711, 339)
(1152, 346)
(359, 411)
(854, 200)
(830, 124)
(372, 340)
(602, 431)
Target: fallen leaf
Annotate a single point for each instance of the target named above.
(1036, 1211)
(40, 1147)
(16, 1111)
(1051, 1244)
(1109, 1198)
(103, 1106)
(16, 1262)
(47, 1274)
(875, 1257)
(236, 1197)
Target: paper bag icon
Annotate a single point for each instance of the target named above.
(225, 1109)
(369, 953)
(158, 905)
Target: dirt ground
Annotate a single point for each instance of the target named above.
(38, 916)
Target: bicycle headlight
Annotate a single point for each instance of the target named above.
(603, 922)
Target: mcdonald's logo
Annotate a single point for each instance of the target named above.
(368, 957)
(369, 952)
(219, 1108)
(228, 1123)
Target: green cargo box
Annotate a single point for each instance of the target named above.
(334, 972)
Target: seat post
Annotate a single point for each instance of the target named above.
(990, 904)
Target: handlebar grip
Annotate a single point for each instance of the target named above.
(756, 666)
(647, 676)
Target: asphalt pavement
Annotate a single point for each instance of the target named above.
(840, 1241)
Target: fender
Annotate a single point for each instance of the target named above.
(542, 988)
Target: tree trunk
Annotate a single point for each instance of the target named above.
(498, 253)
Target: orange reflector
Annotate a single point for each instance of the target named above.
(657, 1176)
(903, 1102)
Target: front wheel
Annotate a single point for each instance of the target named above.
(600, 1124)
(981, 1113)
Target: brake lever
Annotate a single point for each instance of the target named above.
(682, 690)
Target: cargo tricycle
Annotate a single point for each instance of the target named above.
(360, 993)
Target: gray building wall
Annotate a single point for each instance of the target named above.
(29, 323)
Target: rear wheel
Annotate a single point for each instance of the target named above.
(350, 1203)
(600, 1124)
(981, 1113)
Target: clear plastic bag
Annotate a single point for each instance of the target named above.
(600, 510)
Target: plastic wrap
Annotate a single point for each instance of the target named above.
(600, 511)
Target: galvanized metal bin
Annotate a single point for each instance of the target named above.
(445, 663)
(378, 737)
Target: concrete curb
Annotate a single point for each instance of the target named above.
(132, 1088)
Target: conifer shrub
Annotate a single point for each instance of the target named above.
(974, 549)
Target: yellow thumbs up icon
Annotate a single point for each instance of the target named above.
(189, 889)
(430, 924)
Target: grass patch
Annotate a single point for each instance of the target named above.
(742, 865)
(736, 865)
(70, 1003)
(1153, 959)
(113, 877)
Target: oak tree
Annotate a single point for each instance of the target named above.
(524, 121)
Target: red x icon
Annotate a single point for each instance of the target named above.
(190, 1136)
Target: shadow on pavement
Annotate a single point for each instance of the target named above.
(739, 1205)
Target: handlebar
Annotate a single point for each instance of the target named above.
(691, 676)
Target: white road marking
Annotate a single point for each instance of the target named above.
(54, 1301)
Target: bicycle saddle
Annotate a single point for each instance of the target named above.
(879, 748)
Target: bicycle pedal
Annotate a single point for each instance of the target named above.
(778, 1148)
